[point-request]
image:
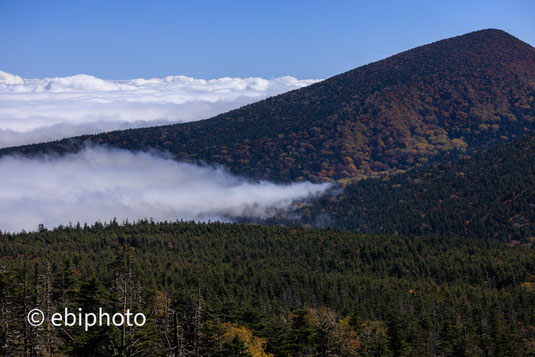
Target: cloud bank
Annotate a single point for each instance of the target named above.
(100, 183)
(37, 110)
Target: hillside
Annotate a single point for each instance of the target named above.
(428, 103)
(248, 290)
(487, 195)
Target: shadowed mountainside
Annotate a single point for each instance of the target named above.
(487, 195)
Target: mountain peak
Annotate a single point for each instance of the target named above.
(488, 37)
(466, 50)
(488, 32)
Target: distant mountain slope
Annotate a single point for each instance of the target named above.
(489, 195)
(434, 101)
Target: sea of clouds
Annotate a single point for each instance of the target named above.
(37, 110)
(99, 183)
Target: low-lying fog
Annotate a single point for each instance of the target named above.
(99, 183)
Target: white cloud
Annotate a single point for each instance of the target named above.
(8, 78)
(36, 110)
(100, 183)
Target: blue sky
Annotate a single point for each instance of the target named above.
(210, 39)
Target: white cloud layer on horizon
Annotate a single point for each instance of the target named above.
(37, 110)
(98, 184)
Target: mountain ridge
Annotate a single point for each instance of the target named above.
(429, 103)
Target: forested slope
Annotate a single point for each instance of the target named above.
(236, 290)
(488, 195)
(431, 102)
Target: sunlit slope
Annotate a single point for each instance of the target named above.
(428, 103)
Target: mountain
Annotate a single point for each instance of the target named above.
(432, 102)
(487, 195)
